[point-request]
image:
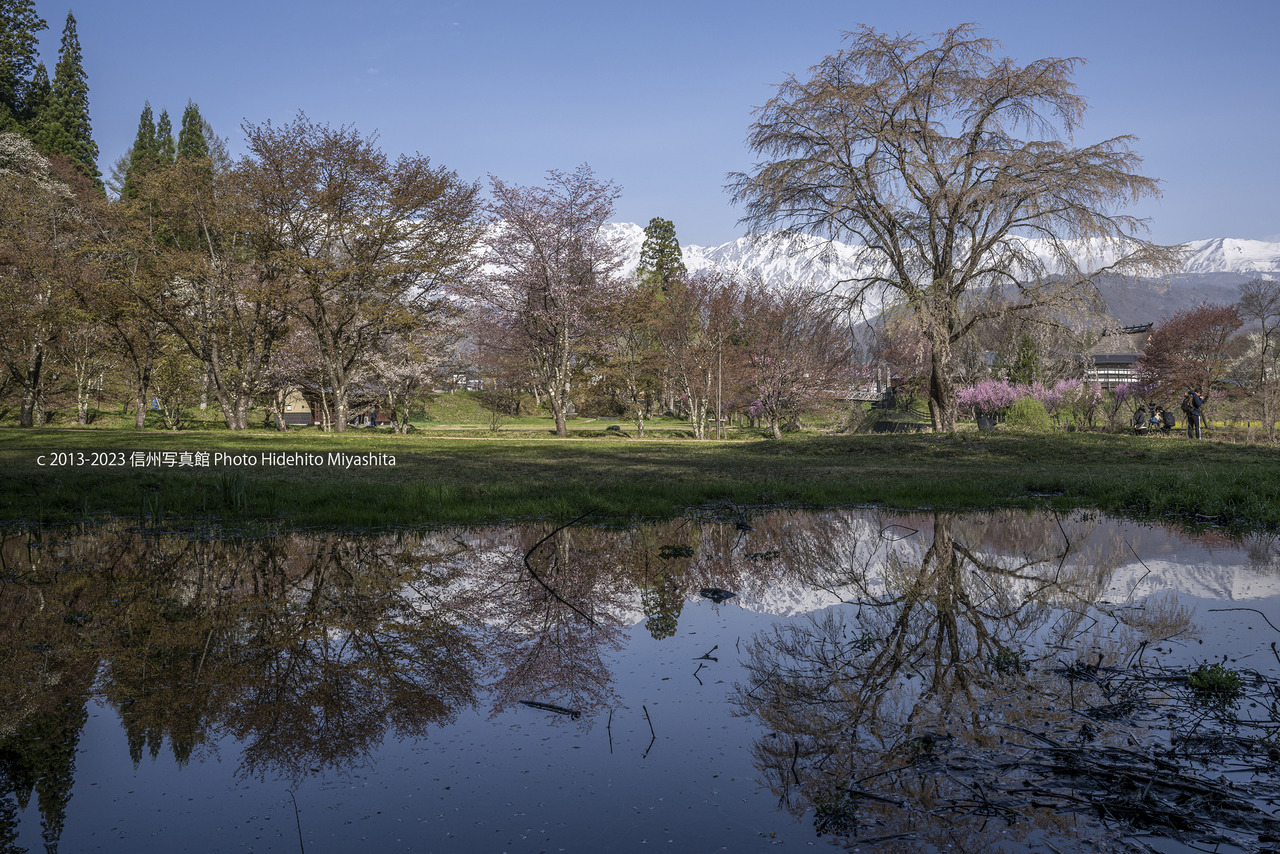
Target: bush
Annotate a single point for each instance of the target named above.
(1027, 413)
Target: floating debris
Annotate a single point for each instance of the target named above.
(573, 714)
(715, 594)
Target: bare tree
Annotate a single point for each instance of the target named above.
(551, 275)
(694, 322)
(1260, 304)
(798, 355)
(368, 243)
(942, 162)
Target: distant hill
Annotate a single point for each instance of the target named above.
(1213, 270)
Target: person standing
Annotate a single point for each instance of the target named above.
(1191, 405)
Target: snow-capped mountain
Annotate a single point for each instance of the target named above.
(1212, 269)
(1229, 255)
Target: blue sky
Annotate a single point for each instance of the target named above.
(657, 96)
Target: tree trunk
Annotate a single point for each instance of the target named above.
(942, 387)
(341, 415)
(31, 388)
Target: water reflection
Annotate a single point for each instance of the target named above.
(981, 691)
(961, 644)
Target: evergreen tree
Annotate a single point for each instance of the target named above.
(192, 143)
(64, 127)
(142, 157)
(36, 102)
(166, 154)
(19, 52)
(660, 260)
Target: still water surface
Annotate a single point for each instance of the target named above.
(1004, 682)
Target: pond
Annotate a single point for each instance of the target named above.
(1005, 682)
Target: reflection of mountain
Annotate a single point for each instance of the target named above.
(1204, 580)
(1207, 566)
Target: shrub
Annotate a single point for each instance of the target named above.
(1027, 413)
(1213, 683)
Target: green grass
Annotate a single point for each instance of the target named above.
(438, 480)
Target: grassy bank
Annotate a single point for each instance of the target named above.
(444, 481)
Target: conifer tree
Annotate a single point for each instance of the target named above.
(166, 154)
(19, 52)
(36, 101)
(142, 157)
(192, 143)
(660, 260)
(64, 126)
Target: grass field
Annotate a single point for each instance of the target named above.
(443, 480)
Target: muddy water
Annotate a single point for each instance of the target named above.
(905, 683)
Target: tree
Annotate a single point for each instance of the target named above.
(550, 275)
(660, 259)
(65, 128)
(367, 243)
(39, 92)
(1193, 349)
(196, 231)
(19, 52)
(940, 161)
(798, 355)
(1260, 304)
(192, 141)
(45, 225)
(694, 323)
(166, 152)
(142, 157)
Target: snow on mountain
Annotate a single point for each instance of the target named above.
(1229, 255)
(806, 261)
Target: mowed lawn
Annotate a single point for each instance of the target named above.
(439, 480)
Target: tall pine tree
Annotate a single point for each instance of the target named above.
(192, 144)
(39, 91)
(166, 153)
(142, 157)
(660, 260)
(64, 125)
(19, 57)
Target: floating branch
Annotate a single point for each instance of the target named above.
(559, 710)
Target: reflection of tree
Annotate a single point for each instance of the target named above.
(905, 723)
(48, 633)
(546, 641)
(358, 646)
(307, 649)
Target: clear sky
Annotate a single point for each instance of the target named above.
(657, 95)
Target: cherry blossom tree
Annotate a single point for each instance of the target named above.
(550, 276)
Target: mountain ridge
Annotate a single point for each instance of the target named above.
(1212, 270)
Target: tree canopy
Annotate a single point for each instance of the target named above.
(954, 172)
